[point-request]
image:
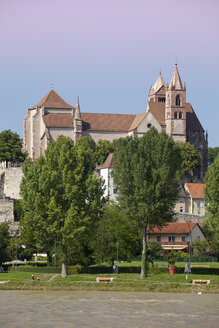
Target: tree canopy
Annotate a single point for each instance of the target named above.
(11, 147)
(191, 159)
(147, 173)
(211, 224)
(4, 241)
(61, 196)
(212, 154)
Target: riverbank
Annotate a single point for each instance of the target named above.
(162, 282)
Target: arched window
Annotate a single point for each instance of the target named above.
(180, 115)
(175, 115)
(177, 100)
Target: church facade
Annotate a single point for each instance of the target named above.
(166, 110)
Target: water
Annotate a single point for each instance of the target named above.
(29, 309)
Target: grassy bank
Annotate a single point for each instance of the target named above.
(162, 282)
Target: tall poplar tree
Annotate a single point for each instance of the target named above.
(61, 196)
(147, 171)
(211, 224)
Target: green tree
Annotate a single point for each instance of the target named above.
(4, 241)
(199, 247)
(147, 174)
(104, 148)
(154, 249)
(114, 232)
(212, 154)
(11, 147)
(61, 196)
(211, 224)
(191, 159)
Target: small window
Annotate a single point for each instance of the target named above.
(161, 99)
(149, 125)
(177, 100)
(181, 209)
(115, 191)
(198, 238)
(175, 115)
(171, 238)
(158, 238)
(180, 115)
(183, 238)
(181, 200)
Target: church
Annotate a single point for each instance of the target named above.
(166, 110)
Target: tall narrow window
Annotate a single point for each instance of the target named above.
(175, 115)
(177, 100)
(180, 115)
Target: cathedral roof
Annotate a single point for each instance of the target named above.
(137, 120)
(176, 80)
(58, 120)
(107, 122)
(96, 121)
(53, 100)
(192, 121)
(158, 111)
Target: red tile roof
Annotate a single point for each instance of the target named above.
(175, 227)
(58, 120)
(107, 122)
(53, 100)
(196, 190)
(192, 122)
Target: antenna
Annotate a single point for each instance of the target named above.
(52, 86)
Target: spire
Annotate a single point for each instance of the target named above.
(176, 82)
(77, 111)
(158, 84)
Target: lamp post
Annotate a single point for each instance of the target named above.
(16, 257)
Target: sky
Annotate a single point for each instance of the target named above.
(109, 53)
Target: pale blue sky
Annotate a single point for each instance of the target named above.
(108, 53)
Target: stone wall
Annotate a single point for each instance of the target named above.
(12, 181)
(6, 210)
(181, 217)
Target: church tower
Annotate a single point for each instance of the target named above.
(175, 108)
(77, 122)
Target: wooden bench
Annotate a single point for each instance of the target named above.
(200, 282)
(104, 279)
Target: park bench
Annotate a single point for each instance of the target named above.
(104, 279)
(200, 282)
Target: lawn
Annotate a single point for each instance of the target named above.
(162, 282)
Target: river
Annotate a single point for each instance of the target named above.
(30, 309)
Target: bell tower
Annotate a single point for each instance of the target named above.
(175, 108)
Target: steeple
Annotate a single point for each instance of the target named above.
(77, 111)
(176, 82)
(158, 84)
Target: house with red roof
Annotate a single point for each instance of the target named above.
(191, 199)
(176, 235)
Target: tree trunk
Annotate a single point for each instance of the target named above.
(144, 253)
(64, 262)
